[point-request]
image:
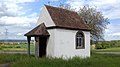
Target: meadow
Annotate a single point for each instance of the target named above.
(22, 60)
(15, 47)
(96, 60)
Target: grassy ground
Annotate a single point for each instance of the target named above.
(117, 49)
(22, 60)
(96, 60)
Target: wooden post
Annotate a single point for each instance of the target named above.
(37, 46)
(28, 38)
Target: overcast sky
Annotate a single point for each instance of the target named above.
(20, 16)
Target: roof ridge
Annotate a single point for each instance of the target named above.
(59, 8)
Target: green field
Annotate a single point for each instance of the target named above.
(96, 60)
(15, 47)
(117, 49)
(22, 60)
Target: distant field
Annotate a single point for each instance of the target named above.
(15, 47)
(117, 49)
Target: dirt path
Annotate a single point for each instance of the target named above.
(109, 53)
(15, 52)
(5, 65)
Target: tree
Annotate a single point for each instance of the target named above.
(95, 20)
(66, 6)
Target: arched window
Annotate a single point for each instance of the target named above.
(79, 40)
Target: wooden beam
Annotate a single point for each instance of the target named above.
(28, 39)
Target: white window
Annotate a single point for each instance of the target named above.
(79, 40)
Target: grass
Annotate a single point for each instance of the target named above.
(6, 58)
(14, 50)
(96, 60)
(22, 60)
(117, 49)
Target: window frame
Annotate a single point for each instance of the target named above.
(80, 37)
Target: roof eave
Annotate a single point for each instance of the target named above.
(58, 27)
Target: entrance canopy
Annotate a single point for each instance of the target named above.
(38, 31)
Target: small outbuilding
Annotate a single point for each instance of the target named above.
(60, 33)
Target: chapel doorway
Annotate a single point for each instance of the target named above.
(42, 46)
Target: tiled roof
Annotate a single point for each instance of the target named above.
(66, 19)
(37, 31)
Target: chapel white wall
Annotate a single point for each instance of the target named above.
(65, 45)
(51, 43)
(45, 18)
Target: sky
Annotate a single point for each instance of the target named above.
(17, 17)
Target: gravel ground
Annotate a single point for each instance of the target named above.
(108, 52)
(16, 52)
(5, 65)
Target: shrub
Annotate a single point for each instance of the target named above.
(101, 46)
(17, 46)
(0, 48)
(107, 44)
(6, 46)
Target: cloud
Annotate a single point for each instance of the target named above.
(12, 13)
(19, 34)
(12, 7)
(1, 32)
(110, 8)
(17, 1)
(17, 17)
(53, 0)
(116, 34)
(6, 11)
(17, 20)
(113, 32)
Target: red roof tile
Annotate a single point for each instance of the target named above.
(66, 19)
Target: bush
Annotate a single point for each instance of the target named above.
(98, 46)
(102, 45)
(17, 46)
(0, 48)
(6, 46)
(107, 44)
